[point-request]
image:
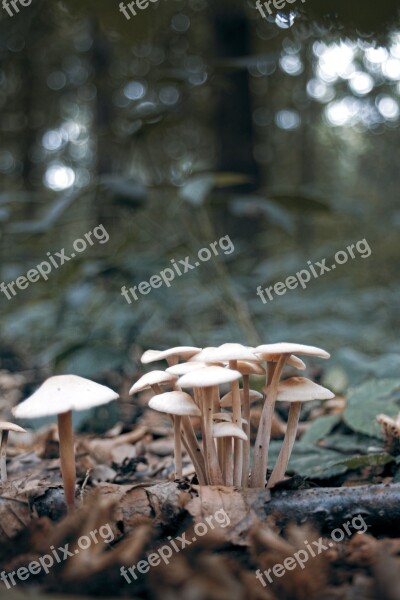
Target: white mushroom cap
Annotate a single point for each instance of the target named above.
(225, 416)
(249, 368)
(6, 426)
(150, 356)
(226, 352)
(177, 351)
(221, 430)
(208, 376)
(296, 362)
(63, 393)
(266, 350)
(301, 389)
(226, 401)
(152, 378)
(183, 368)
(292, 360)
(175, 403)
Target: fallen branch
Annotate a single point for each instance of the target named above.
(327, 508)
(324, 508)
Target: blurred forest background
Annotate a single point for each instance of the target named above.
(191, 121)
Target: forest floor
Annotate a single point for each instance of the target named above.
(138, 533)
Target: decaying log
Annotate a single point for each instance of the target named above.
(327, 508)
(324, 508)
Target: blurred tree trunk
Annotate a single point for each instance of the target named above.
(306, 151)
(103, 108)
(234, 120)
(234, 125)
(28, 70)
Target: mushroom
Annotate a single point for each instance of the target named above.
(60, 395)
(226, 401)
(272, 352)
(179, 404)
(225, 416)
(295, 390)
(246, 369)
(227, 431)
(5, 428)
(264, 353)
(232, 353)
(172, 355)
(152, 380)
(183, 368)
(207, 380)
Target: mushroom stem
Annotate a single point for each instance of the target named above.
(282, 462)
(228, 464)
(194, 450)
(214, 473)
(220, 453)
(246, 444)
(156, 389)
(3, 455)
(237, 420)
(271, 366)
(67, 457)
(261, 448)
(198, 398)
(177, 447)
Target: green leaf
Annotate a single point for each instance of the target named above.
(310, 461)
(368, 460)
(366, 401)
(320, 428)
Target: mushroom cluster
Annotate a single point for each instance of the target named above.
(221, 450)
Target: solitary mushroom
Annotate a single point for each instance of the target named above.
(271, 352)
(179, 404)
(208, 380)
(227, 431)
(152, 380)
(5, 428)
(295, 390)
(60, 395)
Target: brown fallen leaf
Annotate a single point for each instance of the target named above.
(237, 507)
(102, 450)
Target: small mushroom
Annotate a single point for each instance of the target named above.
(232, 353)
(152, 380)
(254, 396)
(295, 390)
(179, 404)
(60, 395)
(5, 428)
(271, 352)
(172, 355)
(247, 397)
(227, 431)
(208, 380)
(246, 369)
(183, 368)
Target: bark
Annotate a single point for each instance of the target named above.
(324, 508)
